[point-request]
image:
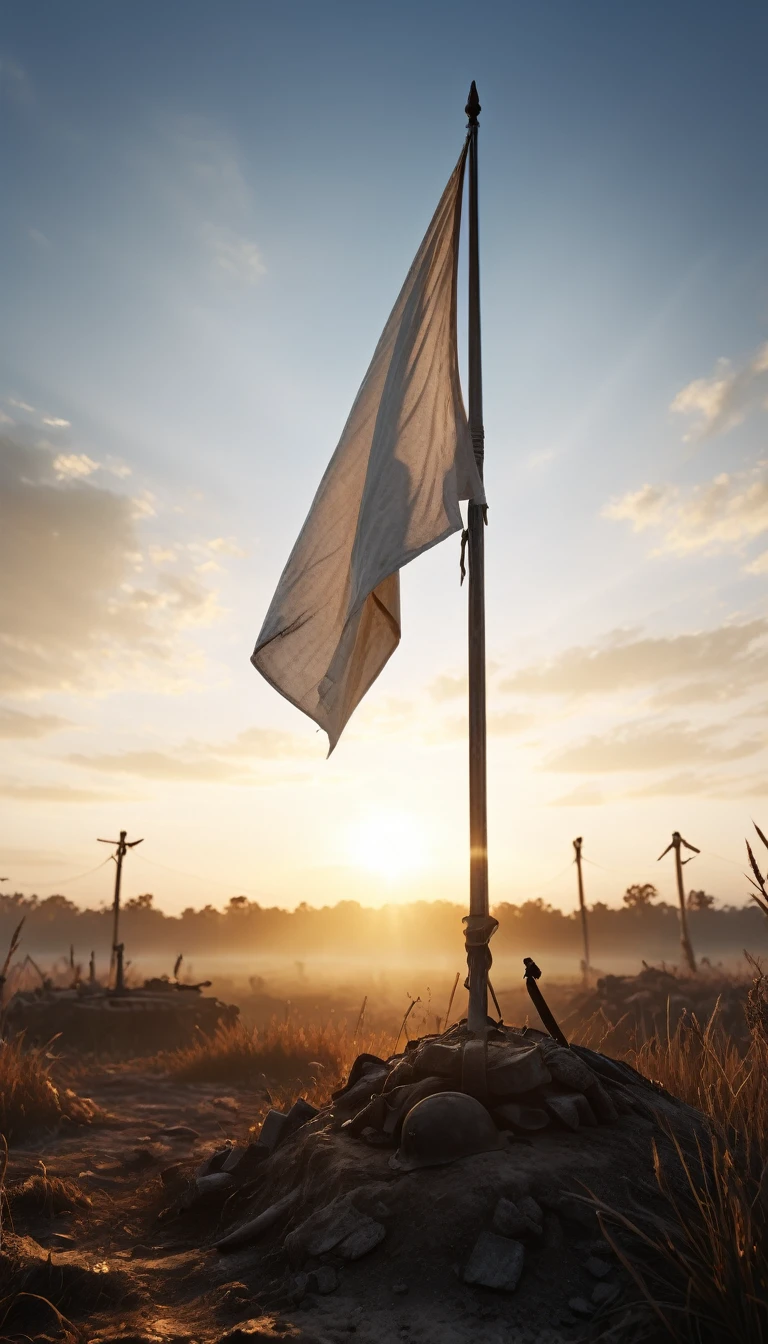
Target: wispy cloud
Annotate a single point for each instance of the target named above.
(722, 515)
(55, 422)
(236, 256)
(649, 747)
(74, 466)
(707, 665)
(55, 793)
(15, 724)
(721, 401)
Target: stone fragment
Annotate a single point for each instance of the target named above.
(233, 1157)
(244, 1162)
(365, 1238)
(170, 1175)
(531, 1210)
(178, 1132)
(516, 1115)
(322, 1280)
(214, 1162)
(513, 1071)
(328, 1227)
(253, 1229)
(215, 1184)
(563, 1109)
(272, 1130)
(301, 1112)
(603, 1293)
(580, 1306)
(495, 1262)
(598, 1268)
(508, 1220)
(570, 1071)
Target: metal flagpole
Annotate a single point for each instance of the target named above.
(479, 925)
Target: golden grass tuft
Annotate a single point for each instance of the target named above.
(29, 1099)
(281, 1053)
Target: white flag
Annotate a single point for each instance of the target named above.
(391, 490)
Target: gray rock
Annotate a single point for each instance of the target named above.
(598, 1268)
(495, 1262)
(513, 1071)
(603, 1293)
(580, 1306)
(365, 1238)
(508, 1221)
(339, 1222)
(214, 1162)
(323, 1280)
(272, 1130)
(531, 1210)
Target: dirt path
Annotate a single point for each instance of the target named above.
(115, 1271)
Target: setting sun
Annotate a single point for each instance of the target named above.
(390, 844)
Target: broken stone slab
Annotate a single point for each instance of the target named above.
(513, 1071)
(214, 1162)
(520, 1117)
(569, 1070)
(495, 1262)
(278, 1125)
(365, 1238)
(253, 1229)
(510, 1219)
(336, 1223)
(245, 1160)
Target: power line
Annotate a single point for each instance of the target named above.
(62, 882)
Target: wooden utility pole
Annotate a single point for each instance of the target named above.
(123, 846)
(585, 966)
(685, 941)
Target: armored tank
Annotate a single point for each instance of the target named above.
(161, 1015)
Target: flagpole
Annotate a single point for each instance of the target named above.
(479, 925)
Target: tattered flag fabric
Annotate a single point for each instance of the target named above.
(391, 490)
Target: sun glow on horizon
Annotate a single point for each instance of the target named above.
(390, 844)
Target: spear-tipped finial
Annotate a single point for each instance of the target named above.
(473, 105)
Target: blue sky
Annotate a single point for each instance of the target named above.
(207, 213)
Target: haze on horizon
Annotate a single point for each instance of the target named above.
(207, 214)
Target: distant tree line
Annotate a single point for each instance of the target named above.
(643, 926)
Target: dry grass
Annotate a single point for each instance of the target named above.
(29, 1099)
(282, 1053)
(701, 1265)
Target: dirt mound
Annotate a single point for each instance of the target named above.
(622, 1009)
(316, 1217)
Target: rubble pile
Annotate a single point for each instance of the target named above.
(406, 1184)
(162, 1015)
(634, 1007)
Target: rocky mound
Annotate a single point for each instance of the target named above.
(631, 1007)
(323, 1213)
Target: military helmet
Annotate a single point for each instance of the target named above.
(443, 1128)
